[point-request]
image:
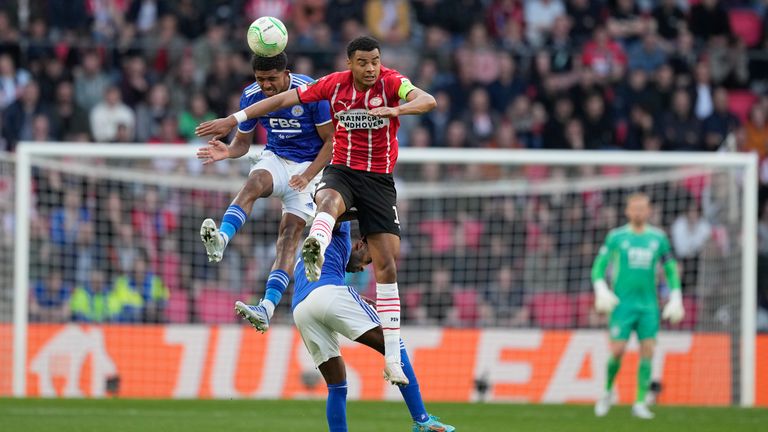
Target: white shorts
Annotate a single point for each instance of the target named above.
(299, 203)
(328, 311)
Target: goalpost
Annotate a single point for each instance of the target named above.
(473, 220)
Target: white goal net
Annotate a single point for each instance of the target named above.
(494, 276)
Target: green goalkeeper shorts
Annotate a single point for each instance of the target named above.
(626, 318)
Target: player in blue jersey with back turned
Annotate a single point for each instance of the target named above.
(324, 309)
(299, 146)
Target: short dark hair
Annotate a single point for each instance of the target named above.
(362, 43)
(278, 62)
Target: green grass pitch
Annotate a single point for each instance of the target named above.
(116, 415)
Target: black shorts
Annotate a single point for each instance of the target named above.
(372, 194)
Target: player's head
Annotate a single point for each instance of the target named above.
(638, 208)
(271, 73)
(359, 257)
(364, 60)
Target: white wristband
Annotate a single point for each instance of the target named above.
(240, 116)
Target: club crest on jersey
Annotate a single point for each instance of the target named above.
(359, 119)
(375, 101)
(297, 110)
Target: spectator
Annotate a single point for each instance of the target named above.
(756, 132)
(504, 301)
(560, 46)
(545, 270)
(165, 46)
(709, 19)
(585, 15)
(554, 130)
(388, 20)
(18, 119)
(141, 293)
(339, 11)
(438, 300)
(684, 56)
(109, 114)
(501, 14)
(213, 43)
(647, 54)
(144, 14)
(437, 120)
(690, 233)
(602, 54)
(12, 80)
(670, 19)
(93, 301)
(52, 75)
(598, 127)
(135, 84)
(721, 122)
(50, 298)
(149, 115)
(703, 105)
(90, 81)
(626, 23)
(481, 120)
(680, 129)
(68, 117)
(197, 113)
(540, 15)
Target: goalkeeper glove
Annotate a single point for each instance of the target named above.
(605, 299)
(673, 310)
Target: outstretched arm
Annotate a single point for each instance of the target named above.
(220, 127)
(417, 102)
(217, 150)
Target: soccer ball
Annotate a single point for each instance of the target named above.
(267, 36)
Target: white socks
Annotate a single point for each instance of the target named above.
(388, 308)
(269, 306)
(322, 229)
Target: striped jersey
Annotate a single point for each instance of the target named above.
(334, 267)
(361, 141)
(291, 132)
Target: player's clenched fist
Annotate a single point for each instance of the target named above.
(385, 112)
(214, 151)
(674, 310)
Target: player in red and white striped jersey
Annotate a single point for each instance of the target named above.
(365, 105)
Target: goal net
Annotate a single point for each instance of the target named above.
(113, 293)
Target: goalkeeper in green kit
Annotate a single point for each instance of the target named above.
(634, 250)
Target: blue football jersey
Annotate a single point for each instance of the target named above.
(291, 132)
(334, 267)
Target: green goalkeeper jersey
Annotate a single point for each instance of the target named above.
(634, 257)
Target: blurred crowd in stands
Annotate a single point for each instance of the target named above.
(671, 75)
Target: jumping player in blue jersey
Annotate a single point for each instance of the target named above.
(299, 146)
(324, 309)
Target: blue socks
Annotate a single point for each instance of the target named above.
(233, 219)
(411, 393)
(276, 285)
(336, 407)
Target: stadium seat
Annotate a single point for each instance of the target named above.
(440, 233)
(466, 304)
(552, 310)
(583, 303)
(178, 307)
(740, 102)
(215, 305)
(746, 24)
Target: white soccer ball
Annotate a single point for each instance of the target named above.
(267, 36)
